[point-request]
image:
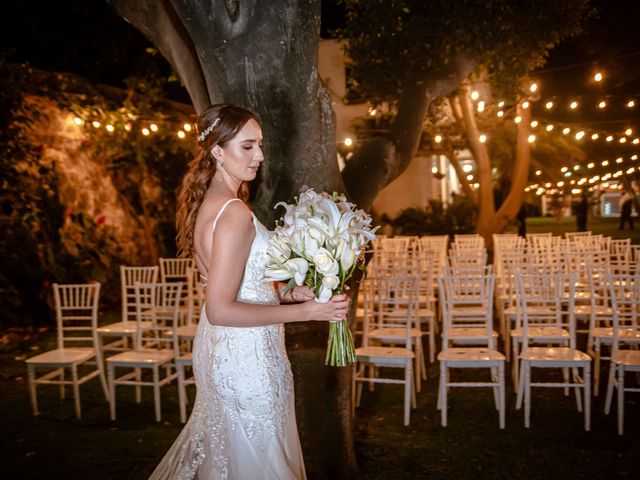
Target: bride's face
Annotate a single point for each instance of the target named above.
(242, 156)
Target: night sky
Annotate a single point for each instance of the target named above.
(90, 39)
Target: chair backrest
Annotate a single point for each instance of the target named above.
(195, 292)
(620, 250)
(174, 269)
(625, 302)
(546, 300)
(76, 307)
(128, 278)
(389, 302)
(157, 313)
(467, 301)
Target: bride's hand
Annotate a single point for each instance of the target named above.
(335, 309)
(302, 293)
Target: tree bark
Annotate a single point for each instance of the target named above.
(466, 187)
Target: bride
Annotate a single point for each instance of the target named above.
(243, 422)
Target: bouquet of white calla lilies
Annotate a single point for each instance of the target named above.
(319, 242)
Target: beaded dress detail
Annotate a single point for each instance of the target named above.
(243, 424)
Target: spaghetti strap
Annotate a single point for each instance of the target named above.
(215, 221)
(203, 278)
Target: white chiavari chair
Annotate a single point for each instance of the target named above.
(76, 307)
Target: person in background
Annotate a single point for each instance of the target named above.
(582, 212)
(626, 206)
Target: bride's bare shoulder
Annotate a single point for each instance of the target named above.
(235, 211)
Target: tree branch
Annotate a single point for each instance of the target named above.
(466, 186)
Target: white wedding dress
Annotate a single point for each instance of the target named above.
(243, 425)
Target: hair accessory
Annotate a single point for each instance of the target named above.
(205, 133)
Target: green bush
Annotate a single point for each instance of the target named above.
(436, 219)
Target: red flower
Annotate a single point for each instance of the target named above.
(101, 219)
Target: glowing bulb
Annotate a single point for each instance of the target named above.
(525, 105)
(153, 127)
(623, 140)
(127, 127)
(434, 170)
(438, 138)
(534, 124)
(573, 105)
(595, 136)
(628, 131)
(482, 138)
(476, 185)
(631, 104)
(598, 77)
(602, 104)
(531, 138)
(348, 141)
(630, 170)
(619, 160)
(475, 95)
(500, 104)
(533, 87)
(186, 127)
(576, 168)
(591, 165)
(110, 128)
(605, 163)
(538, 172)
(634, 157)
(548, 105)
(560, 184)
(500, 114)
(467, 167)
(566, 130)
(145, 131)
(96, 124)
(636, 141)
(469, 177)
(579, 135)
(518, 119)
(481, 106)
(181, 134)
(564, 169)
(549, 128)
(609, 138)
(373, 112)
(77, 121)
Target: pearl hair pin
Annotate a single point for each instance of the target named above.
(203, 135)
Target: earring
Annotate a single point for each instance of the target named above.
(220, 163)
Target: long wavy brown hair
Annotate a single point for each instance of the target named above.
(227, 120)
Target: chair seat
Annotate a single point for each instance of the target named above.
(470, 354)
(385, 356)
(63, 356)
(541, 332)
(587, 310)
(142, 357)
(459, 333)
(426, 299)
(468, 311)
(187, 331)
(563, 354)
(121, 328)
(625, 334)
(393, 334)
(628, 358)
(185, 359)
(424, 312)
(512, 311)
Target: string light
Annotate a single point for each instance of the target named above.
(548, 105)
(609, 138)
(619, 160)
(636, 141)
(538, 172)
(372, 112)
(348, 142)
(534, 87)
(605, 163)
(482, 138)
(153, 127)
(500, 104)
(591, 165)
(181, 134)
(579, 135)
(481, 106)
(186, 127)
(534, 124)
(518, 119)
(549, 127)
(434, 170)
(525, 105)
(631, 104)
(438, 138)
(467, 168)
(96, 124)
(602, 104)
(500, 114)
(573, 105)
(628, 131)
(623, 140)
(564, 169)
(598, 77)
(532, 138)
(595, 136)
(475, 95)
(145, 131)
(77, 121)
(469, 177)
(566, 130)
(110, 128)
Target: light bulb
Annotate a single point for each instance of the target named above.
(548, 105)
(595, 136)
(518, 119)
(186, 127)
(181, 134)
(348, 141)
(549, 128)
(110, 128)
(602, 104)
(597, 77)
(475, 95)
(573, 105)
(438, 138)
(153, 127)
(531, 138)
(482, 138)
(145, 131)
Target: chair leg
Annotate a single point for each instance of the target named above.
(408, 390)
(138, 389)
(31, 372)
(596, 369)
(103, 378)
(587, 397)
(577, 388)
(112, 391)
(63, 389)
(565, 376)
(361, 371)
(515, 361)
(156, 392)
(76, 390)
(432, 343)
(496, 387)
(182, 394)
(520, 389)
(442, 397)
(620, 399)
(527, 395)
(610, 385)
(502, 393)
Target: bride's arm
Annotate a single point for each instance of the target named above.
(229, 253)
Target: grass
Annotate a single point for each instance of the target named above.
(57, 446)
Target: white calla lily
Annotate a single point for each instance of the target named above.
(329, 284)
